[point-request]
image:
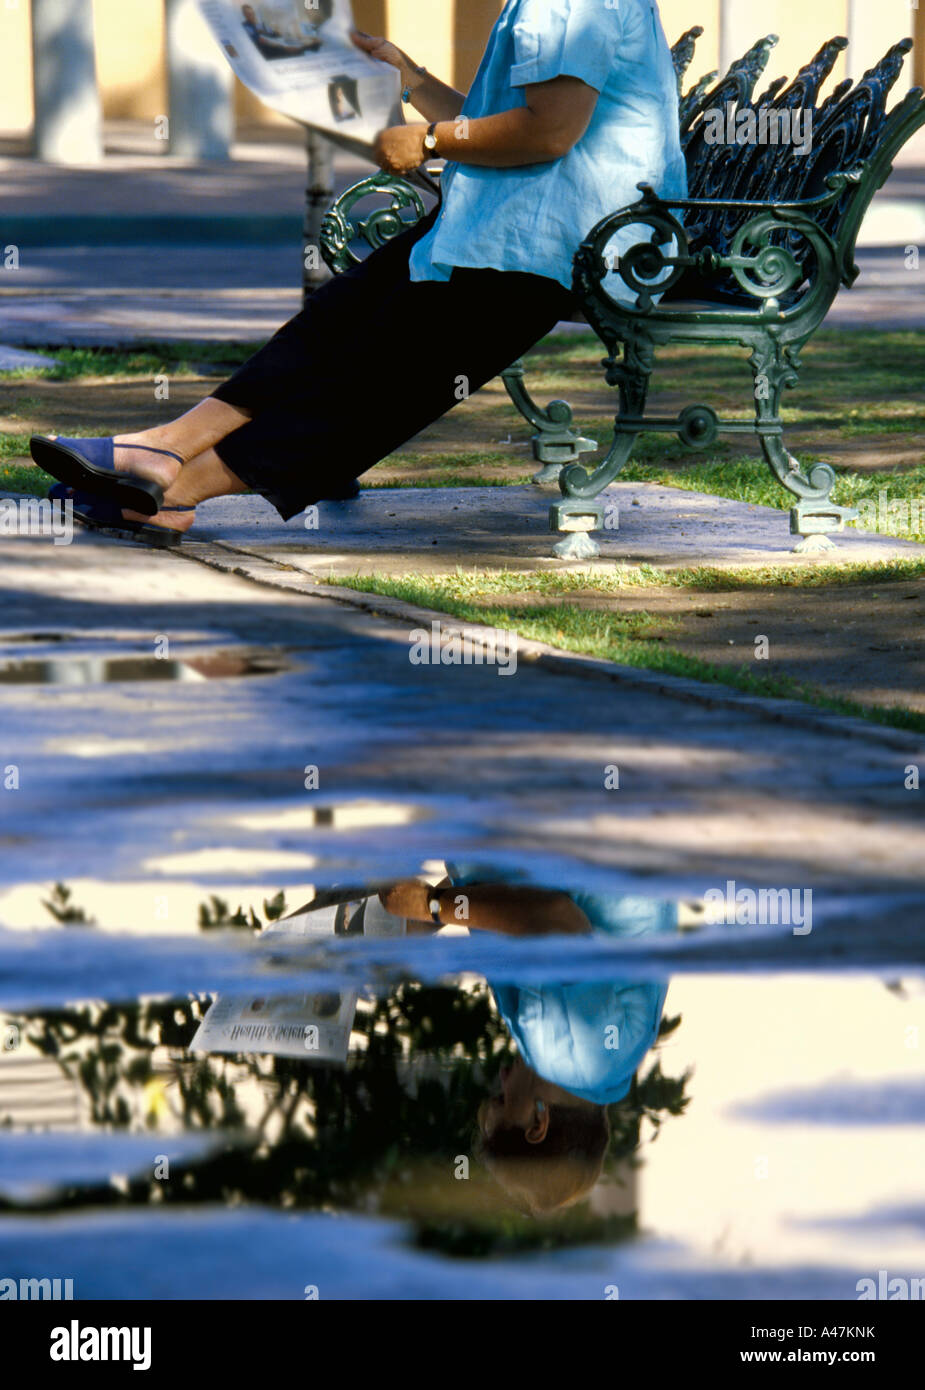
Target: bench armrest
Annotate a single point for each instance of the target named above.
(339, 229)
(836, 185)
(762, 269)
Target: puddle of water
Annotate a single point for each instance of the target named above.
(93, 670)
(526, 1077)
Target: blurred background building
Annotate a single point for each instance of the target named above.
(140, 61)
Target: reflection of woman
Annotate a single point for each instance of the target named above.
(573, 104)
(580, 1043)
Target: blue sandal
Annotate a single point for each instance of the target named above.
(89, 465)
(102, 514)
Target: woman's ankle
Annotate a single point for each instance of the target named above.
(157, 438)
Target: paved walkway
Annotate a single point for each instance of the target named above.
(396, 530)
(186, 295)
(205, 778)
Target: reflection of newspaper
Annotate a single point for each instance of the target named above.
(315, 1027)
(297, 56)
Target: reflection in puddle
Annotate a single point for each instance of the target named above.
(495, 1112)
(97, 670)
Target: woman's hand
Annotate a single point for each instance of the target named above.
(433, 98)
(400, 148)
(379, 49)
(407, 899)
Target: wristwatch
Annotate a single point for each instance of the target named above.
(430, 139)
(433, 907)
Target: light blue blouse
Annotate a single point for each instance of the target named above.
(588, 1036)
(533, 217)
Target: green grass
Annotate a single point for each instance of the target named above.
(621, 638)
(858, 370)
(476, 585)
(146, 359)
(454, 475)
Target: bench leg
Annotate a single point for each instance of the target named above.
(579, 512)
(555, 443)
(815, 517)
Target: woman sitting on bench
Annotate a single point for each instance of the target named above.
(572, 107)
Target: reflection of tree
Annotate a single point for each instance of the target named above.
(108, 1049)
(215, 914)
(382, 1133)
(64, 911)
(651, 1098)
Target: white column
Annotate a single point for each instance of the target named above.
(854, 57)
(727, 49)
(68, 116)
(199, 82)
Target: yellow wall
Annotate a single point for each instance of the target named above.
(130, 58)
(15, 68)
(680, 15)
(425, 31)
(448, 37)
(472, 25)
(801, 29)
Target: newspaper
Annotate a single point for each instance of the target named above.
(297, 57)
(314, 1027)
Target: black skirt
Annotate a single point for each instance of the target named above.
(372, 359)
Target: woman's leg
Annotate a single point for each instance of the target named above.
(295, 365)
(190, 435)
(337, 389)
(203, 477)
(414, 355)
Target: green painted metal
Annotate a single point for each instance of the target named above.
(555, 443)
(753, 257)
(340, 232)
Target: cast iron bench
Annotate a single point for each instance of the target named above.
(753, 256)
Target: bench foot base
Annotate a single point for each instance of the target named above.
(577, 546)
(814, 522)
(811, 544)
(577, 517)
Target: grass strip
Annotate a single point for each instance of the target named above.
(613, 637)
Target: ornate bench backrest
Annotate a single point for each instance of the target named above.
(793, 144)
(850, 133)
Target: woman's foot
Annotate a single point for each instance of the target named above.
(161, 468)
(137, 455)
(178, 519)
(145, 462)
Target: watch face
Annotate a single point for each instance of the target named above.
(430, 141)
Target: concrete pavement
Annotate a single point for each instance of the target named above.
(205, 778)
(397, 530)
